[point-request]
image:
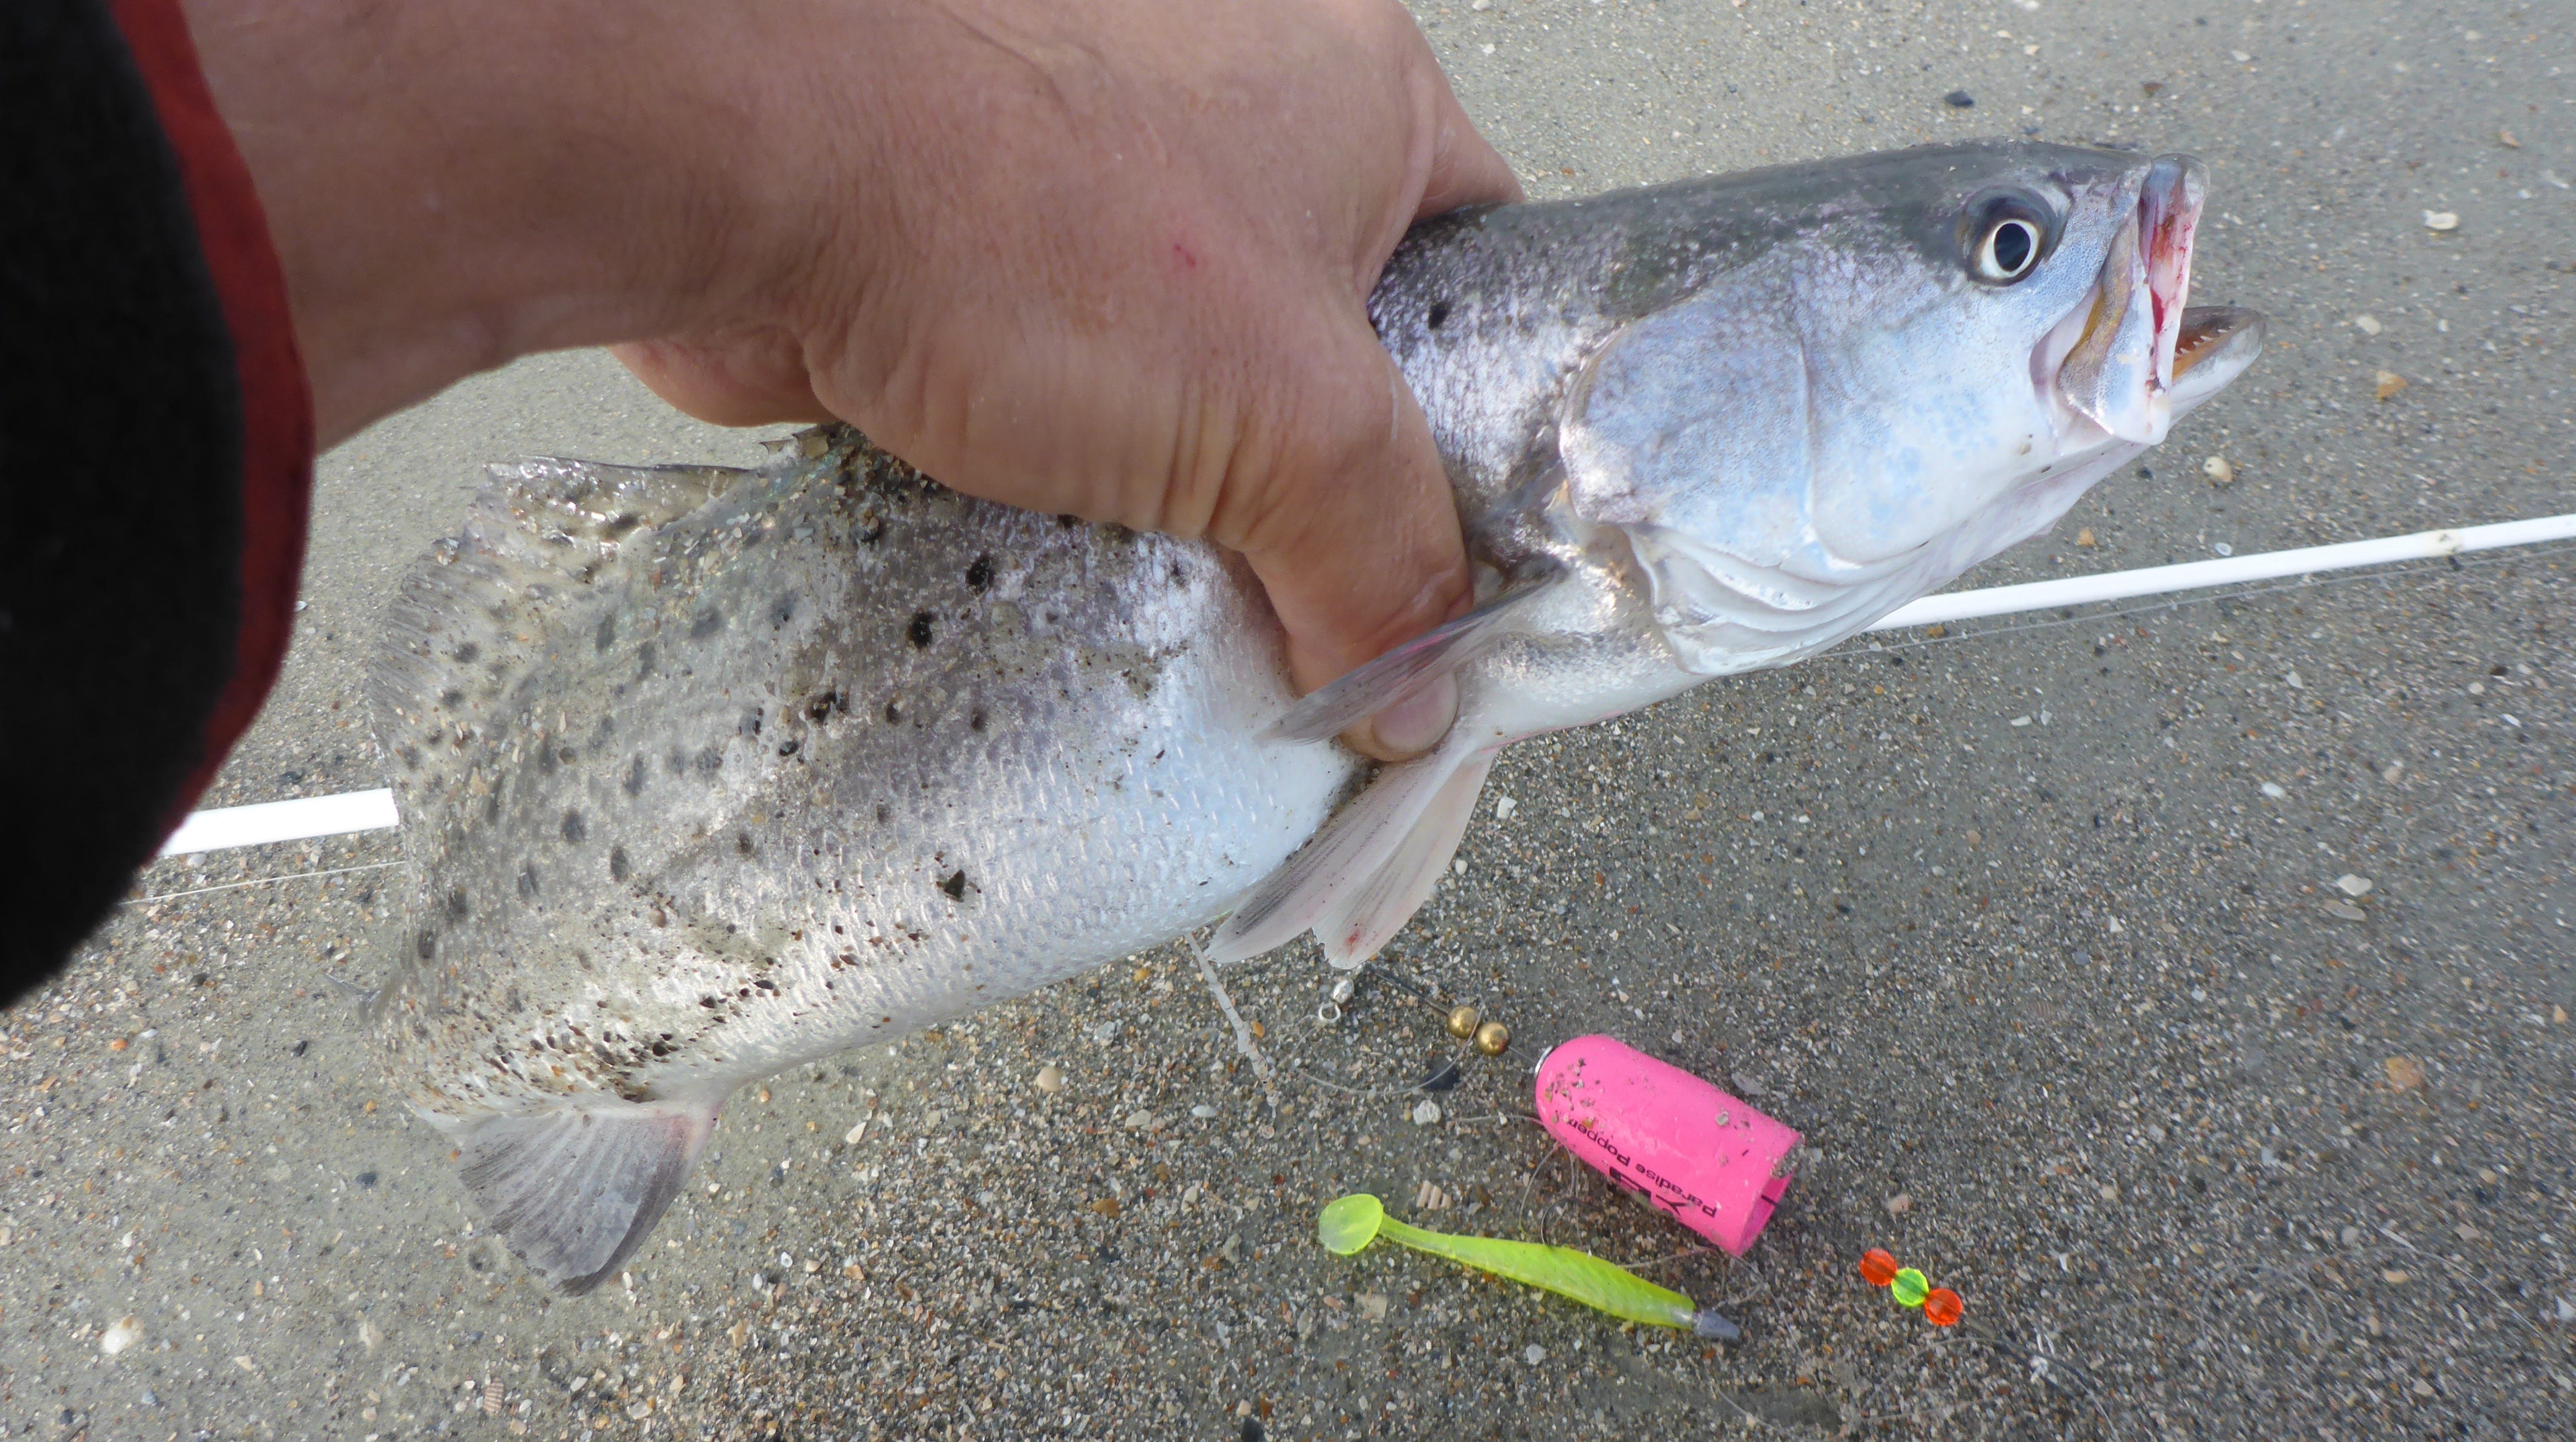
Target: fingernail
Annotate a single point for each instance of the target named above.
(1416, 723)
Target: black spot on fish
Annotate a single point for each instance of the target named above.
(528, 882)
(976, 721)
(545, 761)
(1438, 316)
(492, 809)
(980, 574)
(750, 723)
(451, 698)
(634, 783)
(574, 828)
(783, 611)
(742, 843)
(1068, 522)
(882, 813)
(466, 653)
(708, 622)
(617, 863)
(873, 534)
(410, 758)
(677, 763)
(647, 656)
(892, 715)
(955, 886)
(819, 710)
(426, 946)
(789, 747)
(457, 904)
(606, 635)
(302, 1046)
(919, 631)
(710, 761)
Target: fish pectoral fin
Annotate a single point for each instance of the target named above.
(1372, 866)
(576, 1190)
(1366, 690)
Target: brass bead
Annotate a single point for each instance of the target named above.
(1492, 1038)
(1463, 1020)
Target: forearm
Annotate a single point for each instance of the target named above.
(451, 186)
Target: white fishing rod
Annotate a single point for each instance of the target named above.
(356, 811)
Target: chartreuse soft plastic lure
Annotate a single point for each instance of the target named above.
(1357, 1220)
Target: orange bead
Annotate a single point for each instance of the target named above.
(1877, 1268)
(1941, 1307)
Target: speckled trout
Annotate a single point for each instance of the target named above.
(708, 773)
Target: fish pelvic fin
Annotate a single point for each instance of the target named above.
(1364, 691)
(1373, 865)
(575, 1190)
(1368, 915)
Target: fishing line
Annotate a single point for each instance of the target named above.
(1242, 1032)
(259, 881)
(2305, 583)
(305, 818)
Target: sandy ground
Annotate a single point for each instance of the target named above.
(2070, 1009)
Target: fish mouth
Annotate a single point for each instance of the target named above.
(2213, 345)
(2117, 358)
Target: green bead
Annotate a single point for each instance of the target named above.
(1909, 1288)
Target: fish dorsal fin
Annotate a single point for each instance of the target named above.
(474, 612)
(576, 1190)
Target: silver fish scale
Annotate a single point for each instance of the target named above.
(873, 754)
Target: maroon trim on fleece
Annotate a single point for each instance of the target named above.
(277, 407)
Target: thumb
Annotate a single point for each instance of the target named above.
(1364, 554)
(747, 378)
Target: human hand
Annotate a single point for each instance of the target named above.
(1112, 259)
(1106, 257)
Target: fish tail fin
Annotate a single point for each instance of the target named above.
(1371, 867)
(575, 1190)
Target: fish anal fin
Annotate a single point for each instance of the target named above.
(575, 1190)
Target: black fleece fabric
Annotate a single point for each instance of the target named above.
(121, 479)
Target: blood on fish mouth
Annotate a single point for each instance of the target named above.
(2168, 216)
(2111, 361)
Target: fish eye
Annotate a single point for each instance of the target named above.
(2006, 236)
(2010, 249)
